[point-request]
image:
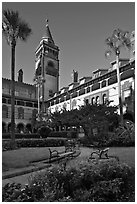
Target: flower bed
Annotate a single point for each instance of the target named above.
(87, 182)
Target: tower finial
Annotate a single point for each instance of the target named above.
(47, 20)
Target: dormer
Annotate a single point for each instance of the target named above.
(73, 85)
(63, 90)
(122, 62)
(84, 80)
(99, 72)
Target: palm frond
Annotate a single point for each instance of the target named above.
(13, 27)
(119, 39)
(11, 18)
(24, 31)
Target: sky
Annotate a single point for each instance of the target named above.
(79, 29)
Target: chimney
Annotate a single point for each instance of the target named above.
(20, 75)
(74, 76)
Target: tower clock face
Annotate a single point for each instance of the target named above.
(51, 64)
(50, 69)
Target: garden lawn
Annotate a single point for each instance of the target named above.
(22, 157)
(125, 154)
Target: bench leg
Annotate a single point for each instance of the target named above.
(106, 155)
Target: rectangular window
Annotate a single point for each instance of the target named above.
(88, 89)
(35, 105)
(9, 101)
(21, 103)
(29, 104)
(3, 100)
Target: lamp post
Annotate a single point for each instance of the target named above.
(119, 86)
(38, 81)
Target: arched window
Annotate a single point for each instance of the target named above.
(28, 128)
(64, 105)
(4, 111)
(93, 101)
(104, 98)
(20, 113)
(74, 103)
(20, 128)
(97, 100)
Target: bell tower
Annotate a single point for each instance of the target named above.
(47, 65)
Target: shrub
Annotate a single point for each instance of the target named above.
(87, 182)
(20, 135)
(15, 193)
(44, 131)
(48, 142)
(119, 139)
(64, 134)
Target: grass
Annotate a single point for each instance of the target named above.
(125, 154)
(22, 157)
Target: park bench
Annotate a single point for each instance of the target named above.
(54, 154)
(100, 153)
(71, 145)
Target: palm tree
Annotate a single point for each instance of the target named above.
(13, 29)
(118, 40)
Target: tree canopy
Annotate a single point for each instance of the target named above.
(88, 116)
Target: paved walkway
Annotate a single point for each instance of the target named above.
(23, 179)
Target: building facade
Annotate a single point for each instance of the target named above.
(99, 88)
(27, 96)
(102, 86)
(26, 104)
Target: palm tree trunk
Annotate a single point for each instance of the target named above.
(119, 89)
(13, 44)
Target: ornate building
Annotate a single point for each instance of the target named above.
(26, 104)
(99, 88)
(27, 96)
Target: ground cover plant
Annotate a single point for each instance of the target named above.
(107, 181)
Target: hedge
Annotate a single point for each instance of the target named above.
(48, 142)
(20, 136)
(40, 134)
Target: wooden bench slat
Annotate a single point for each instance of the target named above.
(55, 153)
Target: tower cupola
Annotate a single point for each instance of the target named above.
(47, 36)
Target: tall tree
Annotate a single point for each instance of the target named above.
(13, 29)
(118, 40)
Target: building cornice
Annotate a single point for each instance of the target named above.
(18, 82)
